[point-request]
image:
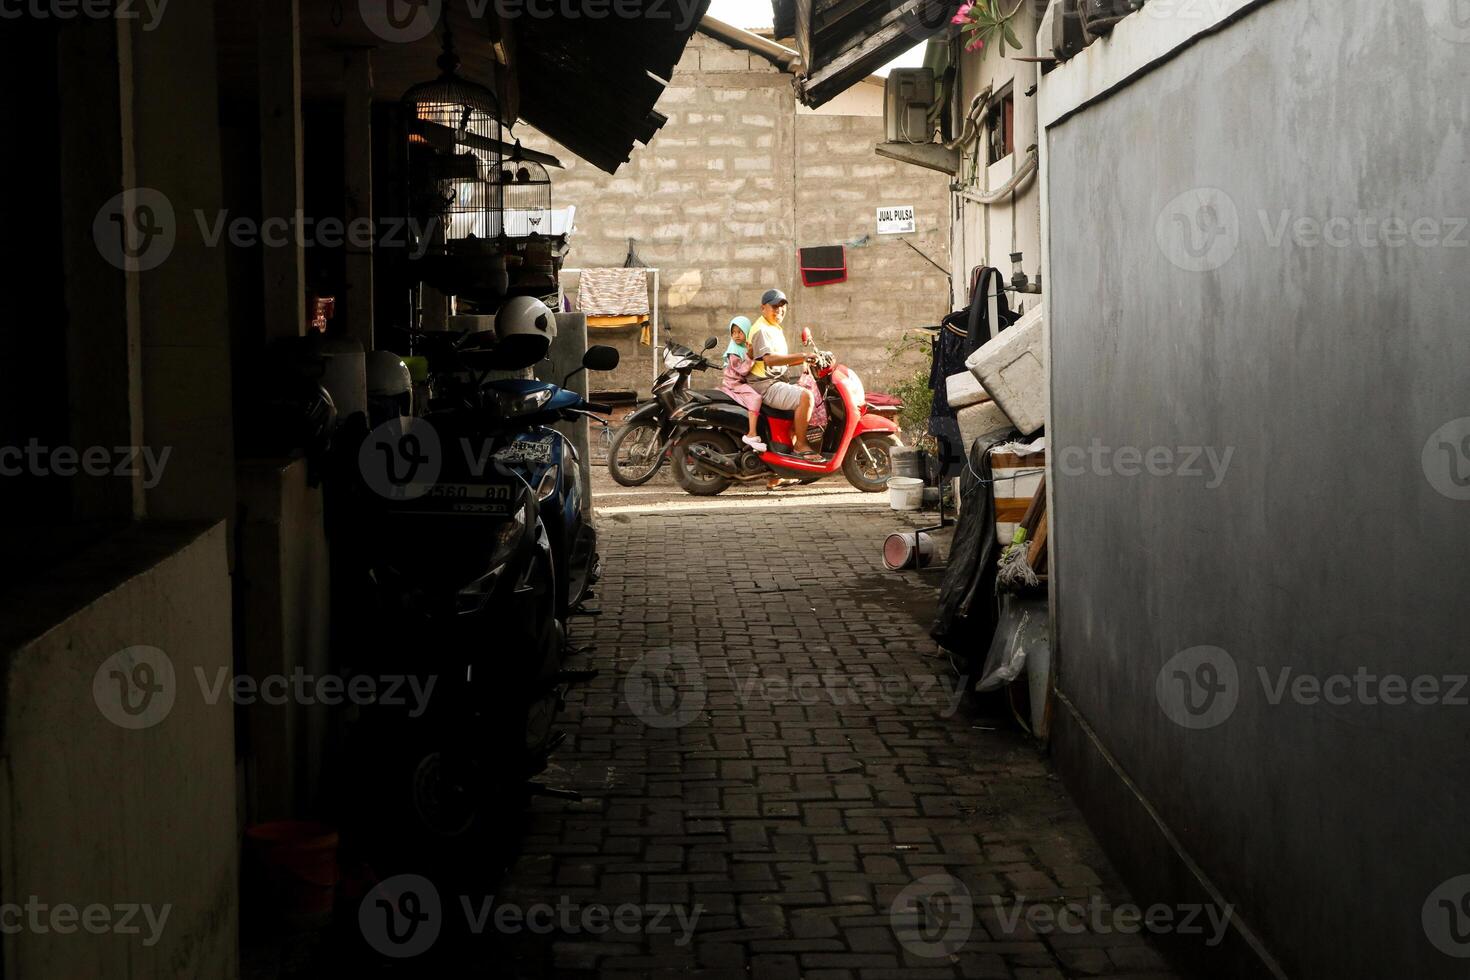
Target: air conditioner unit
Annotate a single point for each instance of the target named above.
(908, 95)
(1065, 32)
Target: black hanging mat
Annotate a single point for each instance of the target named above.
(822, 265)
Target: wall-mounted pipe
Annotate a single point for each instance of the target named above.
(787, 59)
(1017, 182)
(970, 131)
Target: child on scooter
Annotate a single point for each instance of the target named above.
(738, 363)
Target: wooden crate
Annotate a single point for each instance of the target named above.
(1016, 480)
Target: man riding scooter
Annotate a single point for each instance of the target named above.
(769, 351)
(712, 450)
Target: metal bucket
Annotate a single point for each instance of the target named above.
(905, 462)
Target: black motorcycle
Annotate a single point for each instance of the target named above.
(452, 554)
(639, 448)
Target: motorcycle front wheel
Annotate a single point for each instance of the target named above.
(869, 461)
(693, 478)
(635, 454)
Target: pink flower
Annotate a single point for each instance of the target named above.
(976, 44)
(962, 16)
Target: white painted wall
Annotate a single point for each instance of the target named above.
(863, 99)
(95, 813)
(988, 234)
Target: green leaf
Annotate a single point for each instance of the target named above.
(1011, 36)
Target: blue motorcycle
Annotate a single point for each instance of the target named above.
(549, 463)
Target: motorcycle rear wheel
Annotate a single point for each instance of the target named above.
(694, 479)
(641, 444)
(869, 461)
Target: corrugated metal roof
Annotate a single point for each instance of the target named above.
(591, 85)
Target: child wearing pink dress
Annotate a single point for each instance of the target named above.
(738, 363)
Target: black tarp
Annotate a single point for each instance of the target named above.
(968, 610)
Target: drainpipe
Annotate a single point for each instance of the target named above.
(787, 59)
(1017, 181)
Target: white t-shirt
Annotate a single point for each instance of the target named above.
(766, 338)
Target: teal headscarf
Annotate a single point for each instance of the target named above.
(738, 349)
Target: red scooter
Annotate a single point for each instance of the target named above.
(709, 457)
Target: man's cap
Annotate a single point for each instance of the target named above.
(773, 297)
(743, 322)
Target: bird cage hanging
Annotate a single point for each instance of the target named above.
(455, 151)
(525, 188)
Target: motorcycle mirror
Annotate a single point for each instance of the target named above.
(600, 357)
(806, 335)
(711, 344)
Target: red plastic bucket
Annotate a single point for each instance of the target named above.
(295, 861)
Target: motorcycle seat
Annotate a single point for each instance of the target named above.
(713, 395)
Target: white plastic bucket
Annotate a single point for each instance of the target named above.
(905, 492)
(907, 549)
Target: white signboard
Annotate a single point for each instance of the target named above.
(898, 220)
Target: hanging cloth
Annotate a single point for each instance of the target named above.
(961, 333)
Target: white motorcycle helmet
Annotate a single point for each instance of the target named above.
(524, 329)
(389, 386)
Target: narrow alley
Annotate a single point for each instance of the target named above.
(735, 489)
(772, 744)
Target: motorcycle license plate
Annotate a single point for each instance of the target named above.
(490, 499)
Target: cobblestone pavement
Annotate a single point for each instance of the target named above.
(779, 781)
(662, 492)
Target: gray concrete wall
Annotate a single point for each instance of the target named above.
(1335, 542)
(102, 806)
(184, 302)
(729, 189)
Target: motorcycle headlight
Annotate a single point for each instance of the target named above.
(508, 535)
(507, 538)
(512, 403)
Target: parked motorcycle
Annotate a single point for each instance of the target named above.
(548, 461)
(708, 456)
(467, 541)
(639, 448)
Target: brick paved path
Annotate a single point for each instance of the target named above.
(767, 742)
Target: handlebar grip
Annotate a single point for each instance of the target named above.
(599, 408)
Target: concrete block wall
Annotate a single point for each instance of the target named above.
(722, 198)
(841, 183)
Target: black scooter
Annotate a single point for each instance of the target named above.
(639, 448)
(451, 557)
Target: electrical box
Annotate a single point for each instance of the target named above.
(908, 95)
